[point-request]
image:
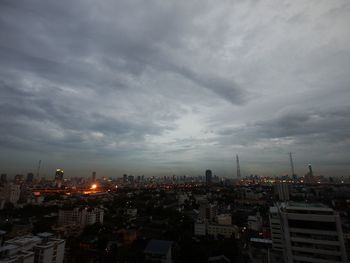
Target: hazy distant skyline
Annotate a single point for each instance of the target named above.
(174, 87)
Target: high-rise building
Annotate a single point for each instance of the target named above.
(307, 233)
(125, 178)
(10, 193)
(19, 178)
(30, 177)
(310, 170)
(282, 188)
(207, 211)
(238, 168)
(93, 176)
(131, 178)
(309, 177)
(81, 216)
(59, 177)
(59, 174)
(3, 178)
(208, 176)
(43, 248)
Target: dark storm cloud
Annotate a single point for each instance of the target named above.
(306, 126)
(149, 81)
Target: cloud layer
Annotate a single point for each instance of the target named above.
(163, 87)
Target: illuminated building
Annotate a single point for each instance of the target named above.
(59, 177)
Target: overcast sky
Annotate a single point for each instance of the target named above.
(174, 87)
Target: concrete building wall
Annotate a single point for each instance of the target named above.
(308, 233)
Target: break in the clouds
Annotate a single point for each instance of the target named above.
(164, 87)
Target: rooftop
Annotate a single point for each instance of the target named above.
(160, 247)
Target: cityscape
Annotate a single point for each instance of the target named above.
(205, 218)
(174, 131)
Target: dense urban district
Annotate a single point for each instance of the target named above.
(174, 219)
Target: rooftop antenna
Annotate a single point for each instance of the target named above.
(238, 168)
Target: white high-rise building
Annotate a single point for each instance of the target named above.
(43, 248)
(82, 216)
(276, 229)
(307, 233)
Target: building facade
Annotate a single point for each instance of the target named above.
(309, 233)
(81, 216)
(43, 248)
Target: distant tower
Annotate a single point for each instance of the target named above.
(311, 173)
(93, 176)
(59, 177)
(291, 163)
(3, 178)
(238, 168)
(208, 176)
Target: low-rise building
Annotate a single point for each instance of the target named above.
(255, 223)
(224, 219)
(158, 251)
(223, 230)
(202, 228)
(12, 254)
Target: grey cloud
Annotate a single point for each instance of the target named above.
(125, 78)
(304, 126)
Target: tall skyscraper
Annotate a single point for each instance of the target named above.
(208, 176)
(309, 177)
(238, 168)
(3, 178)
(59, 177)
(30, 177)
(307, 233)
(125, 178)
(291, 163)
(93, 176)
(310, 171)
(19, 178)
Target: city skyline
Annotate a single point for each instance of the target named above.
(174, 88)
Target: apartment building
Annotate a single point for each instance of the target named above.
(307, 233)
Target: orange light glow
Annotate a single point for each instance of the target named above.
(94, 186)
